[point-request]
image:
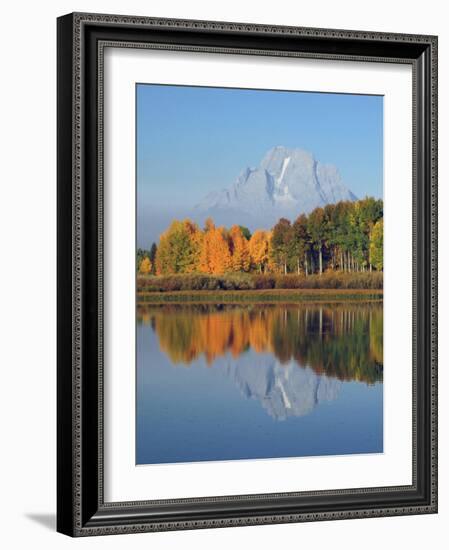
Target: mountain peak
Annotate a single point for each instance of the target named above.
(273, 159)
(287, 182)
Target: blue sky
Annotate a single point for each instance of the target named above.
(192, 140)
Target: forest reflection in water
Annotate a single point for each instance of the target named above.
(224, 382)
(338, 340)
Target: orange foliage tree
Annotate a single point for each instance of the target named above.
(215, 257)
(259, 248)
(240, 256)
(145, 266)
(195, 242)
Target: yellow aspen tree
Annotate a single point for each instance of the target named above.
(195, 238)
(205, 248)
(219, 254)
(259, 249)
(209, 225)
(376, 245)
(271, 266)
(145, 266)
(177, 252)
(214, 256)
(163, 255)
(240, 258)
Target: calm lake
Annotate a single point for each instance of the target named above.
(223, 382)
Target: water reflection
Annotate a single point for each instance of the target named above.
(224, 382)
(283, 390)
(339, 341)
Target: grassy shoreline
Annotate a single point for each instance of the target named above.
(261, 296)
(238, 281)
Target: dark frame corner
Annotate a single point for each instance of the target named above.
(81, 510)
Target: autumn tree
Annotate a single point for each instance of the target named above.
(152, 256)
(358, 243)
(195, 240)
(281, 243)
(259, 249)
(317, 231)
(371, 210)
(140, 255)
(215, 256)
(339, 238)
(145, 266)
(178, 251)
(272, 265)
(220, 257)
(300, 244)
(329, 233)
(376, 245)
(240, 256)
(209, 225)
(205, 251)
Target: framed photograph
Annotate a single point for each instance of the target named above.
(247, 274)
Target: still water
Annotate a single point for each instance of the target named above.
(223, 382)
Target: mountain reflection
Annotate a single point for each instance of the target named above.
(284, 390)
(338, 341)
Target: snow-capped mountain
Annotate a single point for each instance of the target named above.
(287, 182)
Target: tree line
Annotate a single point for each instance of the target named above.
(346, 236)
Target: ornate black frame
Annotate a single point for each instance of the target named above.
(81, 509)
